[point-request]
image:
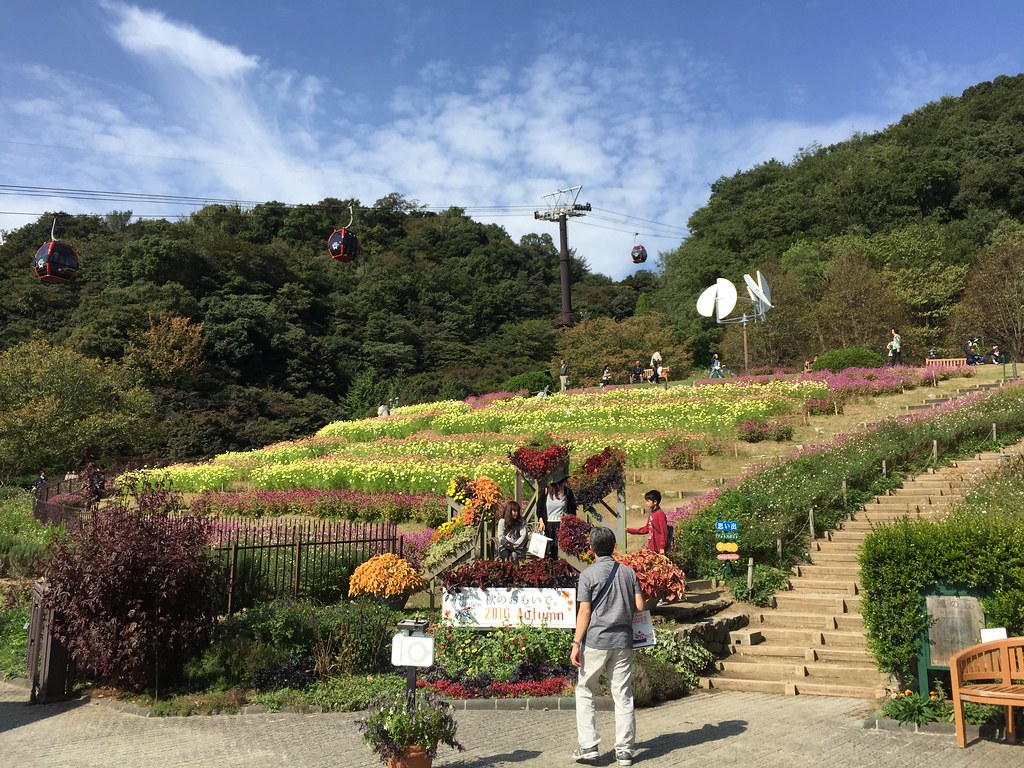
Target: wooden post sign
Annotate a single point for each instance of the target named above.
(510, 606)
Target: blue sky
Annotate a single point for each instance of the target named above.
(486, 105)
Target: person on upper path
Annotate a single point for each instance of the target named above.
(896, 347)
(657, 523)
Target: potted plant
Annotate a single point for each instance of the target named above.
(387, 577)
(659, 577)
(408, 737)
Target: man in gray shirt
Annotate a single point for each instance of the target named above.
(607, 596)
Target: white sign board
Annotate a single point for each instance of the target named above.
(415, 650)
(510, 606)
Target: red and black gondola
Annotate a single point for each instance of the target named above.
(55, 262)
(343, 245)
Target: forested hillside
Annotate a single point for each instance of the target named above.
(917, 226)
(233, 328)
(241, 330)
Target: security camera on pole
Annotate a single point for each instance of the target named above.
(720, 299)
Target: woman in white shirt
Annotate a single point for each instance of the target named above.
(555, 501)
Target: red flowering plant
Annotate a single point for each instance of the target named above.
(574, 537)
(598, 476)
(659, 577)
(540, 458)
(487, 574)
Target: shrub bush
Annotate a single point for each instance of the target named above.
(681, 455)
(767, 581)
(15, 610)
(133, 594)
(268, 640)
(850, 357)
(979, 546)
(532, 381)
(756, 430)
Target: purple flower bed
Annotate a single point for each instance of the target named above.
(414, 546)
(350, 505)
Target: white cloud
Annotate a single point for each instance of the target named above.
(645, 133)
(150, 35)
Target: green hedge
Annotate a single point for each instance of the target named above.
(980, 546)
(774, 503)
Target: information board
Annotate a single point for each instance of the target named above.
(502, 607)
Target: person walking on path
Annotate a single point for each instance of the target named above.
(657, 524)
(896, 347)
(716, 367)
(607, 596)
(563, 375)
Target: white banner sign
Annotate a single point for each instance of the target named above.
(502, 607)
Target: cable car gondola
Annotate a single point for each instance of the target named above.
(639, 254)
(343, 245)
(55, 262)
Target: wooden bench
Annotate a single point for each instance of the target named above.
(988, 673)
(945, 362)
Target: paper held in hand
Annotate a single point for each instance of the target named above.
(643, 629)
(538, 545)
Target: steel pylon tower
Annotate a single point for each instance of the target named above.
(561, 205)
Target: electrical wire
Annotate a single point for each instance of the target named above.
(620, 222)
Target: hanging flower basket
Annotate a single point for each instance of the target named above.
(541, 459)
(598, 476)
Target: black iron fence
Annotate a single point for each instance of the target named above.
(286, 558)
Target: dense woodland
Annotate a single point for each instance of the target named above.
(233, 328)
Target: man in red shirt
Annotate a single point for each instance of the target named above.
(657, 524)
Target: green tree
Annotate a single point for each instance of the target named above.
(55, 404)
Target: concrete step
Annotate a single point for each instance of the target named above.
(832, 571)
(744, 686)
(843, 674)
(821, 545)
(807, 602)
(795, 654)
(813, 637)
(846, 622)
(826, 586)
(834, 556)
(794, 689)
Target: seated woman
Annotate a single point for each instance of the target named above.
(997, 355)
(606, 376)
(512, 532)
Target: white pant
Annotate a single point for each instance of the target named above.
(617, 665)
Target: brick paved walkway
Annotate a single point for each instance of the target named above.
(706, 729)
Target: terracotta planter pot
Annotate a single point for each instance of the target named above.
(395, 602)
(411, 757)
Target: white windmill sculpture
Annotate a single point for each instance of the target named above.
(720, 299)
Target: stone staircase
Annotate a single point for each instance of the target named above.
(813, 641)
